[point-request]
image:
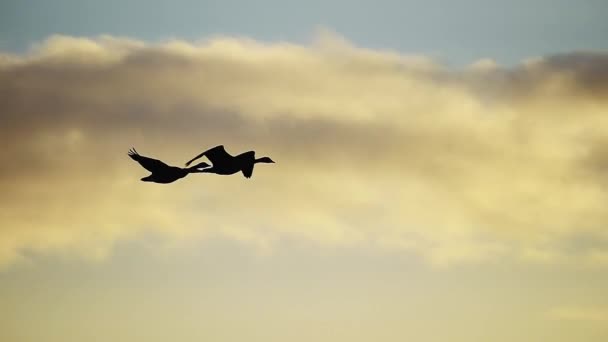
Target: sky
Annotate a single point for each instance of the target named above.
(441, 171)
(457, 32)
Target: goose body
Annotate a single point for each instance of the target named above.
(224, 163)
(161, 172)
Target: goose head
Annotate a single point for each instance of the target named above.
(264, 160)
(197, 167)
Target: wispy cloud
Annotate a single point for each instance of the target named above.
(373, 148)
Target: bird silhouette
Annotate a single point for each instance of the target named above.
(161, 172)
(225, 164)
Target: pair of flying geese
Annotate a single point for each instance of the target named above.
(223, 164)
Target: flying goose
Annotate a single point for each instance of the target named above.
(226, 164)
(161, 172)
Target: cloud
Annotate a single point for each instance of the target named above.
(374, 148)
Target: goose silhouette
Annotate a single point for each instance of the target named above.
(225, 164)
(161, 172)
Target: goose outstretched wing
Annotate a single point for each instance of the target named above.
(216, 155)
(152, 165)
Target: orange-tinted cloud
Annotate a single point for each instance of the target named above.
(373, 148)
